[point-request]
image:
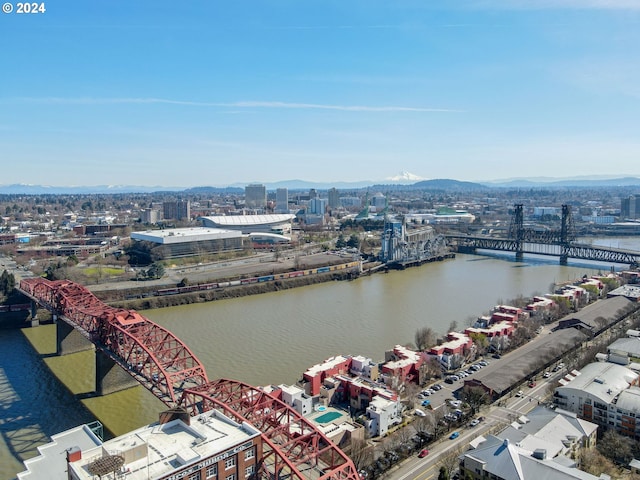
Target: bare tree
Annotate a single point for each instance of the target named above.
(361, 453)
(475, 397)
(453, 326)
(425, 338)
(450, 462)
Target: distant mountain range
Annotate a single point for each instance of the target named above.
(401, 182)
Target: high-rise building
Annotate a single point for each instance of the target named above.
(255, 196)
(176, 210)
(630, 207)
(282, 200)
(317, 206)
(334, 198)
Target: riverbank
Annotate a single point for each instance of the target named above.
(151, 301)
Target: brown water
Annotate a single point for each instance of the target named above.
(263, 339)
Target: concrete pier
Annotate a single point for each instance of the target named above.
(111, 377)
(69, 340)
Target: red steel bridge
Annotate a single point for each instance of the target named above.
(163, 364)
(560, 243)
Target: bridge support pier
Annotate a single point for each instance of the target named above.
(111, 377)
(35, 321)
(564, 259)
(69, 340)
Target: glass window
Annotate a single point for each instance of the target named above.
(231, 477)
(194, 476)
(249, 453)
(249, 470)
(230, 463)
(212, 471)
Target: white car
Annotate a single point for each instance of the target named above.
(519, 393)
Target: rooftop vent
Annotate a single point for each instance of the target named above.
(540, 454)
(598, 380)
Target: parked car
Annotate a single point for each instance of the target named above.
(455, 403)
(420, 413)
(546, 374)
(519, 393)
(423, 453)
(473, 423)
(496, 355)
(449, 380)
(437, 387)
(454, 435)
(532, 383)
(426, 403)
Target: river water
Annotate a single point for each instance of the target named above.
(265, 339)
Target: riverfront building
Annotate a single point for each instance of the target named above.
(206, 446)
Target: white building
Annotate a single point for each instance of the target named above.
(596, 394)
(382, 414)
(297, 399)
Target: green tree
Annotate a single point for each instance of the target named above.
(443, 475)
(425, 338)
(354, 241)
(155, 271)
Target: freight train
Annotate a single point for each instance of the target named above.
(262, 279)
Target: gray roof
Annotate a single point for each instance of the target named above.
(601, 313)
(548, 429)
(629, 400)
(527, 360)
(506, 460)
(629, 345)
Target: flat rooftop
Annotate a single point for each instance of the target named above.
(158, 450)
(181, 235)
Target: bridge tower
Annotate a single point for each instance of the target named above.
(516, 230)
(567, 234)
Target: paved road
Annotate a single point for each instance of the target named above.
(496, 418)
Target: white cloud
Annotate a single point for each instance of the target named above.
(237, 105)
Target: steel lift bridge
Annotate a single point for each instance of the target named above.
(131, 346)
(560, 243)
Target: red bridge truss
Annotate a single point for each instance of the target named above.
(152, 354)
(293, 446)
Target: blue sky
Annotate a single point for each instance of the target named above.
(220, 92)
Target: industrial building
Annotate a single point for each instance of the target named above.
(187, 242)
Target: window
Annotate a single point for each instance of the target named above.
(249, 470)
(231, 477)
(212, 471)
(229, 463)
(249, 453)
(194, 476)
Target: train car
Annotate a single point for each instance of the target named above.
(168, 291)
(266, 278)
(322, 269)
(299, 273)
(234, 283)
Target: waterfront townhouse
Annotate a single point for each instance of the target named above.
(540, 305)
(603, 393)
(401, 365)
(314, 377)
(451, 352)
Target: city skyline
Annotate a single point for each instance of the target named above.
(213, 93)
